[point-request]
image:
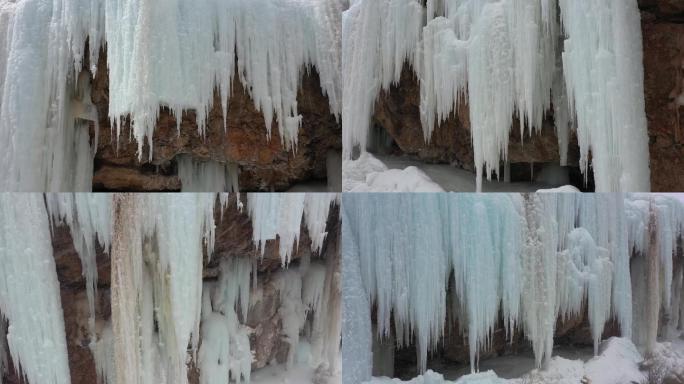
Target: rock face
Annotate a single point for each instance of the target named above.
(233, 239)
(663, 28)
(398, 112)
(265, 164)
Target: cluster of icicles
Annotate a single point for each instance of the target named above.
(581, 60)
(529, 259)
(173, 54)
(159, 300)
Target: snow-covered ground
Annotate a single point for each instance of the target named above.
(511, 366)
(368, 174)
(373, 173)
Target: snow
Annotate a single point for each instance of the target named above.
(173, 56)
(563, 189)
(29, 291)
(411, 174)
(528, 260)
(508, 58)
(368, 174)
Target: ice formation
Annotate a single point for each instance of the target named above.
(207, 176)
(509, 59)
(29, 291)
(89, 219)
(286, 224)
(225, 351)
(526, 259)
(173, 56)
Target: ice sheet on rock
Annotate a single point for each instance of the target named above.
(207, 176)
(29, 291)
(356, 307)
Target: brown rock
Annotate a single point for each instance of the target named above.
(663, 59)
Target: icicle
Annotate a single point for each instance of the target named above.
(44, 147)
(104, 355)
(89, 219)
(29, 291)
(207, 176)
(378, 36)
(316, 210)
(225, 350)
(603, 69)
(291, 207)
